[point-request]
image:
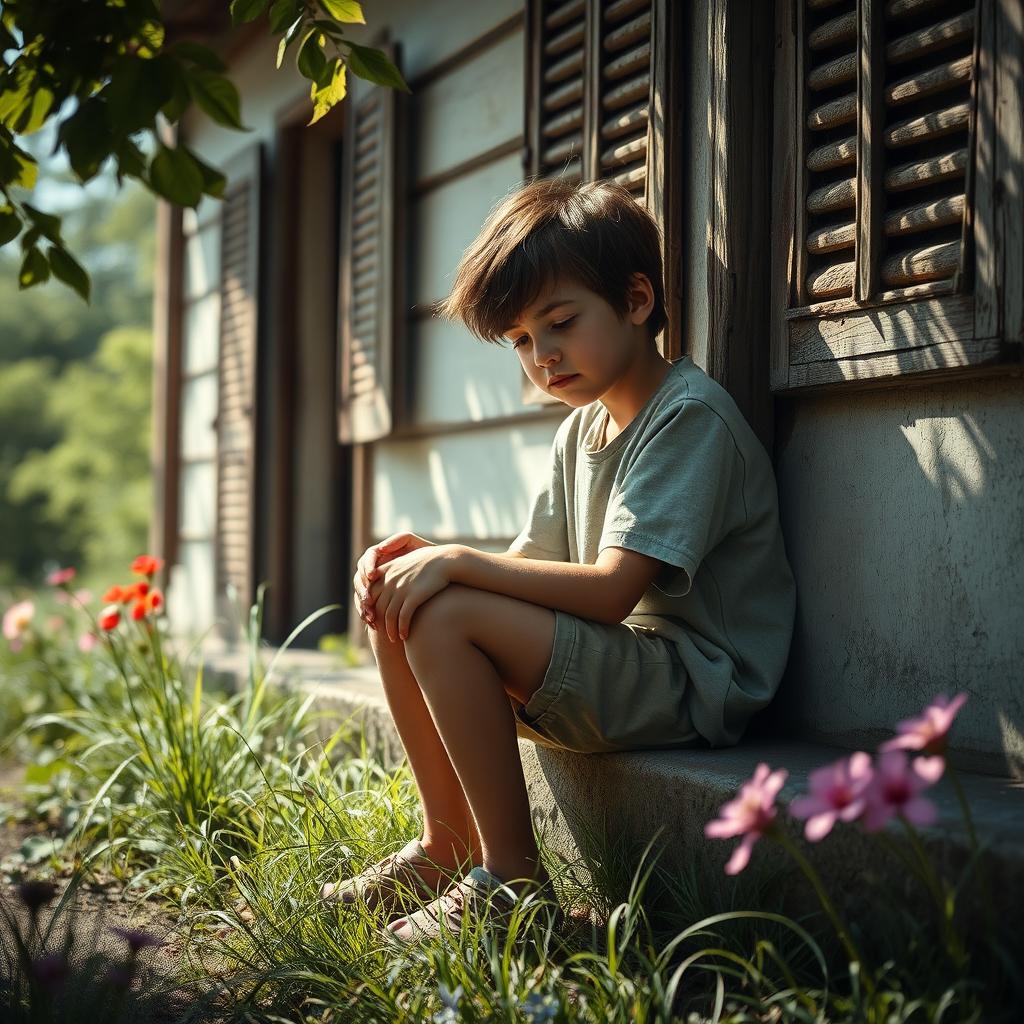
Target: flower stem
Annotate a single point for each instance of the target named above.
(815, 879)
(983, 880)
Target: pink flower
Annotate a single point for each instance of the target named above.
(16, 620)
(928, 734)
(751, 814)
(86, 642)
(59, 577)
(83, 596)
(836, 793)
(894, 789)
(54, 623)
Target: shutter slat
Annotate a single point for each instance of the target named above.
(830, 239)
(835, 72)
(624, 152)
(927, 172)
(565, 68)
(925, 216)
(838, 196)
(629, 62)
(831, 282)
(628, 92)
(563, 149)
(637, 29)
(838, 30)
(835, 154)
(563, 96)
(927, 83)
(623, 9)
(564, 122)
(919, 265)
(566, 40)
(929, 126)
(834, 113)
(564, 13)
(634, 120)
(928, 40)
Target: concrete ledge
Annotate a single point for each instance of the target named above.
(629, 796)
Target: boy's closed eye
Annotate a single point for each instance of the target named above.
(559, 326)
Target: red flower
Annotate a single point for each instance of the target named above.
(154, 600)
(139, 609)
(115, 595)
(147, 565)
(59, 577)
(109, 617)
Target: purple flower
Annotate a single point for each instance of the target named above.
(36, 894)
(750, 814)
(837, 793)
(895, 788)
(136, 938)
(51, 970)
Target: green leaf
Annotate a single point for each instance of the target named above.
(86, 137)
(177, 83)
(201, 55)
(34, 269)
(217, 96)
(374, 66)
(34, 113)
(130, 160)
(312, 61)
(246, 10)
(326, 94)
(10, 225)
(137, 91)
(347, 11)
(175, 175)
(152, 35)
(67, 269)
(214, 181)
(48, 224)
(283, 13)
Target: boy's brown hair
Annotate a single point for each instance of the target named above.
(595, 234)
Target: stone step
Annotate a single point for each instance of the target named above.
(635, 794)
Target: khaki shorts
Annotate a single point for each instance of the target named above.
(609, 687)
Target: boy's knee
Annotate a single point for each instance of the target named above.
(447, 609)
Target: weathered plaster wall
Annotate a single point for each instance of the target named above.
(903, 512)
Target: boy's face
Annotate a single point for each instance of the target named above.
(570, 330)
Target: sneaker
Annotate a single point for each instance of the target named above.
(392, 883)
(480, 894)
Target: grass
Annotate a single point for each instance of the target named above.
(234, 809)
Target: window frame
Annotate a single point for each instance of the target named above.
(950, 328)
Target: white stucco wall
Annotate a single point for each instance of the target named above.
(903, 512)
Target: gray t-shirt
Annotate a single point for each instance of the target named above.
(687, 482)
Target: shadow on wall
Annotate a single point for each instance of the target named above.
(903, 512)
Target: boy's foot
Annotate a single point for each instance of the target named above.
(401, 879)
(480, 894)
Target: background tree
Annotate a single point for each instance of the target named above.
(104, 72)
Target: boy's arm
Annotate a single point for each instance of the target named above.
(605, 592)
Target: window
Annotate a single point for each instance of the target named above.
(881, 263)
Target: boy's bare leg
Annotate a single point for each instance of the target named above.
(469, 651)
(449, 833)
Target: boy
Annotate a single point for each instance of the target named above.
(646, 603)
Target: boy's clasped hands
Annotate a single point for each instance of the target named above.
(393, 578)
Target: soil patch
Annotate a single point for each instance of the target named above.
(93, 910)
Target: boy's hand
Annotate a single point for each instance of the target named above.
(405, 582)
(367, 568)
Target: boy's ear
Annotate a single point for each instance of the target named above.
(640, 296)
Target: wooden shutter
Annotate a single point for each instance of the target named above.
(887, 94)
(929, 68)
(236, 411)
(557, 37)
(623, 93)
(368, 267)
